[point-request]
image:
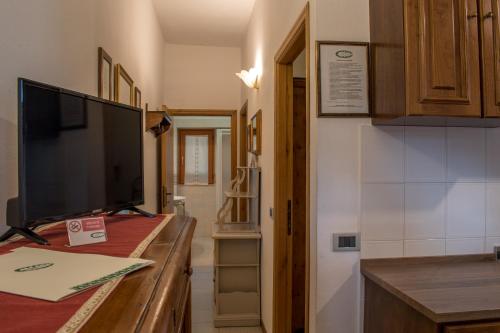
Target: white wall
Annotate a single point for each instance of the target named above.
(438, 186)
(56, 41)
(454, 214)
(338, 181)
(202, 77)
(270, 23)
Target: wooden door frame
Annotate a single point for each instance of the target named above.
(243, 147)
(234, 132)
(296, 41)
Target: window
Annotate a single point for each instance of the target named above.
(196, 156)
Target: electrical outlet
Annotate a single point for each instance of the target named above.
(346, 242)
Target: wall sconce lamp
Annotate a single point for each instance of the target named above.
(250, 78)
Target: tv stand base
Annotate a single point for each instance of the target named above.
(135, 210)
(27, 233)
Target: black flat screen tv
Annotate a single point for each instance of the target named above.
(78, 154)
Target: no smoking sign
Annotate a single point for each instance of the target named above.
(75, 226)
(86, 231)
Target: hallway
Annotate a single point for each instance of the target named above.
(202, 290)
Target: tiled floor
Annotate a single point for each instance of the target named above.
(202, 290)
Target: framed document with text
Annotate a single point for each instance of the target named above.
(343, 81)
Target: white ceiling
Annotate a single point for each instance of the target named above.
(204, 22)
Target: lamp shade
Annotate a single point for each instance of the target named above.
(250, 77)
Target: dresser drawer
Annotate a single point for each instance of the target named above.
(180, 310)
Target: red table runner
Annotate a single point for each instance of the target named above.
(23, 314)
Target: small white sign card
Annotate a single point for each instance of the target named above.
(344, 88)
(86, 231)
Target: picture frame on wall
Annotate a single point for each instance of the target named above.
(124, 86)
(104, 75)
(137, 98)
(343, 83)
(256, 138)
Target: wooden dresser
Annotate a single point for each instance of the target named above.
(450, 294)
(157, 298)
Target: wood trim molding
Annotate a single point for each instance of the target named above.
(297, 40)
(257, 131)
(243, 153)
(137, 98)
(103, 56)
(201, 112)
(121, 72)
(243, 137)
(182, 133)
(263, 327)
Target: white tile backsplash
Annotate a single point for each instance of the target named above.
(493, 209)
(425, 154)
(493, 154)
(429, 190)
(491, 242)
(424, 248)
(381, 249)
(464, 246)
(425, 208)
(382, 211)
(466, 210)
(382, 154)
(466, 154)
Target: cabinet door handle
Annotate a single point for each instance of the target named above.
(471, 16)
(489, 15)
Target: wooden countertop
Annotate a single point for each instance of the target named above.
(445, 289)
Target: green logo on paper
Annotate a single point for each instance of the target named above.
(97, 234)
(34, 267)
(343, 54)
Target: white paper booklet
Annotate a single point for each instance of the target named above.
(54, 275)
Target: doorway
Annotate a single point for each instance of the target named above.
(204, 147)
(291, 183)
(208, 124)
(166, 152)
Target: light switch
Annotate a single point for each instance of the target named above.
(345, 242)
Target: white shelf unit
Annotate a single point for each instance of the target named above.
(237, 279)
(237, 255)
(249, 176)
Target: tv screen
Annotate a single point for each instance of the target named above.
(77, 154)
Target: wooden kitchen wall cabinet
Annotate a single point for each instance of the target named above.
(432, 58)
(490, 47)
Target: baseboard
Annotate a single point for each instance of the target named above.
(263, 327)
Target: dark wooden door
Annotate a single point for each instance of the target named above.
(167, 172)
(443, 69)
(243, 156)
(299, 206)
(490, 31)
